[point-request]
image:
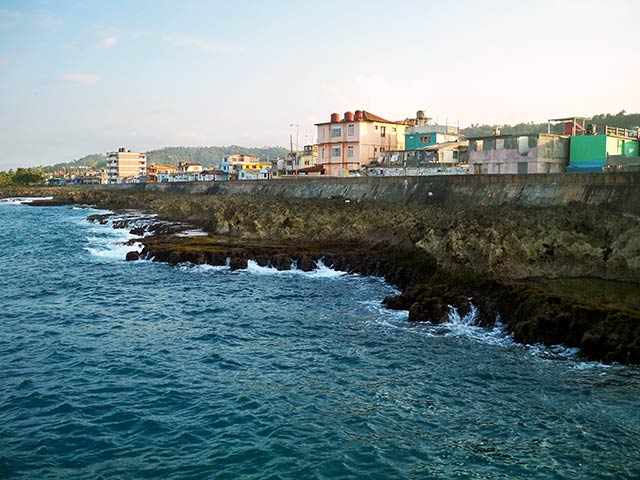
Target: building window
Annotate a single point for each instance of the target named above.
(425, 139)
(336, 151)
(393, 129)
(383, 131)
(382, 149)
(352, 130)
(336, 132)
(350, 152)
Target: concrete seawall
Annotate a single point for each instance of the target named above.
(614, 191)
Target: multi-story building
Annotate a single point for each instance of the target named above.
(245, 167)
(519, 154)
(345, 145)
(422, 133)
(297, 161)
(125, 166)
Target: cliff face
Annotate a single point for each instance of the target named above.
(505, 242)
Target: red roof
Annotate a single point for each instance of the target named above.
(366, 117)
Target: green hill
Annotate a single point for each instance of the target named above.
(621, 119)
(207, 156)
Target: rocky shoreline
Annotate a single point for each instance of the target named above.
(556, 275)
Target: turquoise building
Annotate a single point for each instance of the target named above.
(589, 153)
(419, 136)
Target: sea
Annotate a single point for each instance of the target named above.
(141, 370)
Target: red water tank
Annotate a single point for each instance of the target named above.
(359, 115)
(348, 116)
(335, 118)
(570, 128)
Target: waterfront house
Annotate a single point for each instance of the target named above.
(187, 168)
(421, 132)
(519, 154)
(163, 173)
(346, 144)
(245, 167)
(125, 166)
(613, 149)
(297, 161)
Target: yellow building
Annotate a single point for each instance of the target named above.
(125, 166)
(245, 167)
(344, 145)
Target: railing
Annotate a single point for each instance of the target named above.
(620, 132)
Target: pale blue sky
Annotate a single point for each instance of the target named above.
(79, 77)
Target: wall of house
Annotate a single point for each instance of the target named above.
(588, 149)
(366, 140)
(414, 138)
(519, 155)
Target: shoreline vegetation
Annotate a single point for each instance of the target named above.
(554, 275)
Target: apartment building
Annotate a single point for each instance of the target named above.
(125, 166)
(345, 145)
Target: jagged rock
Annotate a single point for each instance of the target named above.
(132, 256)
(238, 263)
(306, 263)
(282, 262)
(434, 310)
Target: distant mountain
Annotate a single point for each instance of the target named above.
(621, 119)
(95, 160)
(207, 156)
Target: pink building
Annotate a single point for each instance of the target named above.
(345, 145)
(519, 154)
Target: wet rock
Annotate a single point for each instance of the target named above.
(132, 256)
(238, 263)
(217, 258)
(434, 310)
(281, 262)
(306, 263)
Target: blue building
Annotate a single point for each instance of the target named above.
(423, 133)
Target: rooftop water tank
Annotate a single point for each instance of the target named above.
(348, 116)
(335, 118)
(359, 115)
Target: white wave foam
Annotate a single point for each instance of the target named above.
(321, 271)
(113, 250)
(196, 232)
(190, 267)
(470, 318)
(22, 200)
(107, 243)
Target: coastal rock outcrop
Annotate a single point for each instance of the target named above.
(553, 274)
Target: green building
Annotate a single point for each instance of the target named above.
(589, 153)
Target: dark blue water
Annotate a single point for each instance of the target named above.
(111, 369)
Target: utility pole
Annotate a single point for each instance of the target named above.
(297, 134)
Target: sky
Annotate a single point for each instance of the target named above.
(80, 77)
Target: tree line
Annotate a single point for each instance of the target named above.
(21, 177)
(621, 119)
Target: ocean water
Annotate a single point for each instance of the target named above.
(110, 369)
